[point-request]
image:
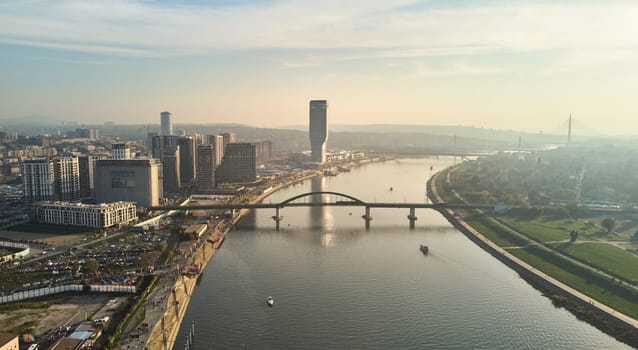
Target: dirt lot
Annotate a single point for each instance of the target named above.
(58, 311)
(52, 239)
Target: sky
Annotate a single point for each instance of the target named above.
(516, 65)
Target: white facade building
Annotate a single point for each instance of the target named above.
(67, 178)
(121, 151)
(38, 180)
(87, 215)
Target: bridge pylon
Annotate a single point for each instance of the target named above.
(277, 217)
(412, 217)
(367, 218)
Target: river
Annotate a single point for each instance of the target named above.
(337, 286)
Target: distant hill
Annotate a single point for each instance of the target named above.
(379, 138)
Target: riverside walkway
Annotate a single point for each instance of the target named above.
(519, 264)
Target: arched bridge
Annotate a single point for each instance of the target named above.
(322, 199)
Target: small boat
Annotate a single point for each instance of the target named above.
(424, 249)
(391, 189)
(270, 301)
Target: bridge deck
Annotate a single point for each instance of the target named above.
(322, 204)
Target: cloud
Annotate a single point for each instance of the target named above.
(377, 29)
(456, 70)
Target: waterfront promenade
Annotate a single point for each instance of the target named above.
(524, 268)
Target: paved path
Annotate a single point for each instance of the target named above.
(540, 274)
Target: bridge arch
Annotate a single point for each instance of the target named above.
(309, 194)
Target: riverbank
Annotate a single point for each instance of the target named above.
(608, 320)
(169, 301)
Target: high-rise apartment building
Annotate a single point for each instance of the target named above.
(66, 178)
(177, 154)
(206, 164)
(318, 130)
(187, 159)
(87, 178)
(166, 124)
(239, 164)
(38, 180)
(149, 140)
(120, 151)
(131, 180)
(172, 180)
(229, 137)
(198, 138)
(264, 151)
(217, 141)
(166, 149)
(51, 179)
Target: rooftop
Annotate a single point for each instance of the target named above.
(6, 337)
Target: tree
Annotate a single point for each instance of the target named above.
(161, 247)
(92, 266)
(573, 235)
(608, 224)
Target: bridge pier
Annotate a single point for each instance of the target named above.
(412, 217)
(277, 218)
(367, 218)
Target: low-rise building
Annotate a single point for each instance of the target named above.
(196, 230)
(88, 215)
(65, 343)
(9, 341)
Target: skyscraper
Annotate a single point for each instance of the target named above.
(264, 151)
(217, 141)
(167, 125)
(67, 178)
(206, 164)
(87, 169)
(166, 149)
(38, 180)
(187, 159)
(229, 137)
(177, 154)
(318, 130)
(51, 179)
(238, 165)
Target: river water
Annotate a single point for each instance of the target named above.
(337, 286)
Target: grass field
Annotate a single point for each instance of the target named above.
(536, 229)
(604, 290)
(546, 229)
(494, 233)
(614, 260)
(12, 279)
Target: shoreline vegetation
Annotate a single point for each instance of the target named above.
(165, 331)
(605, 303)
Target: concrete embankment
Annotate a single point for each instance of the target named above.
(537, 277)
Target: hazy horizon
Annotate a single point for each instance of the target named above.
(487, 64)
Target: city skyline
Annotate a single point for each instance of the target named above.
(491, 64)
